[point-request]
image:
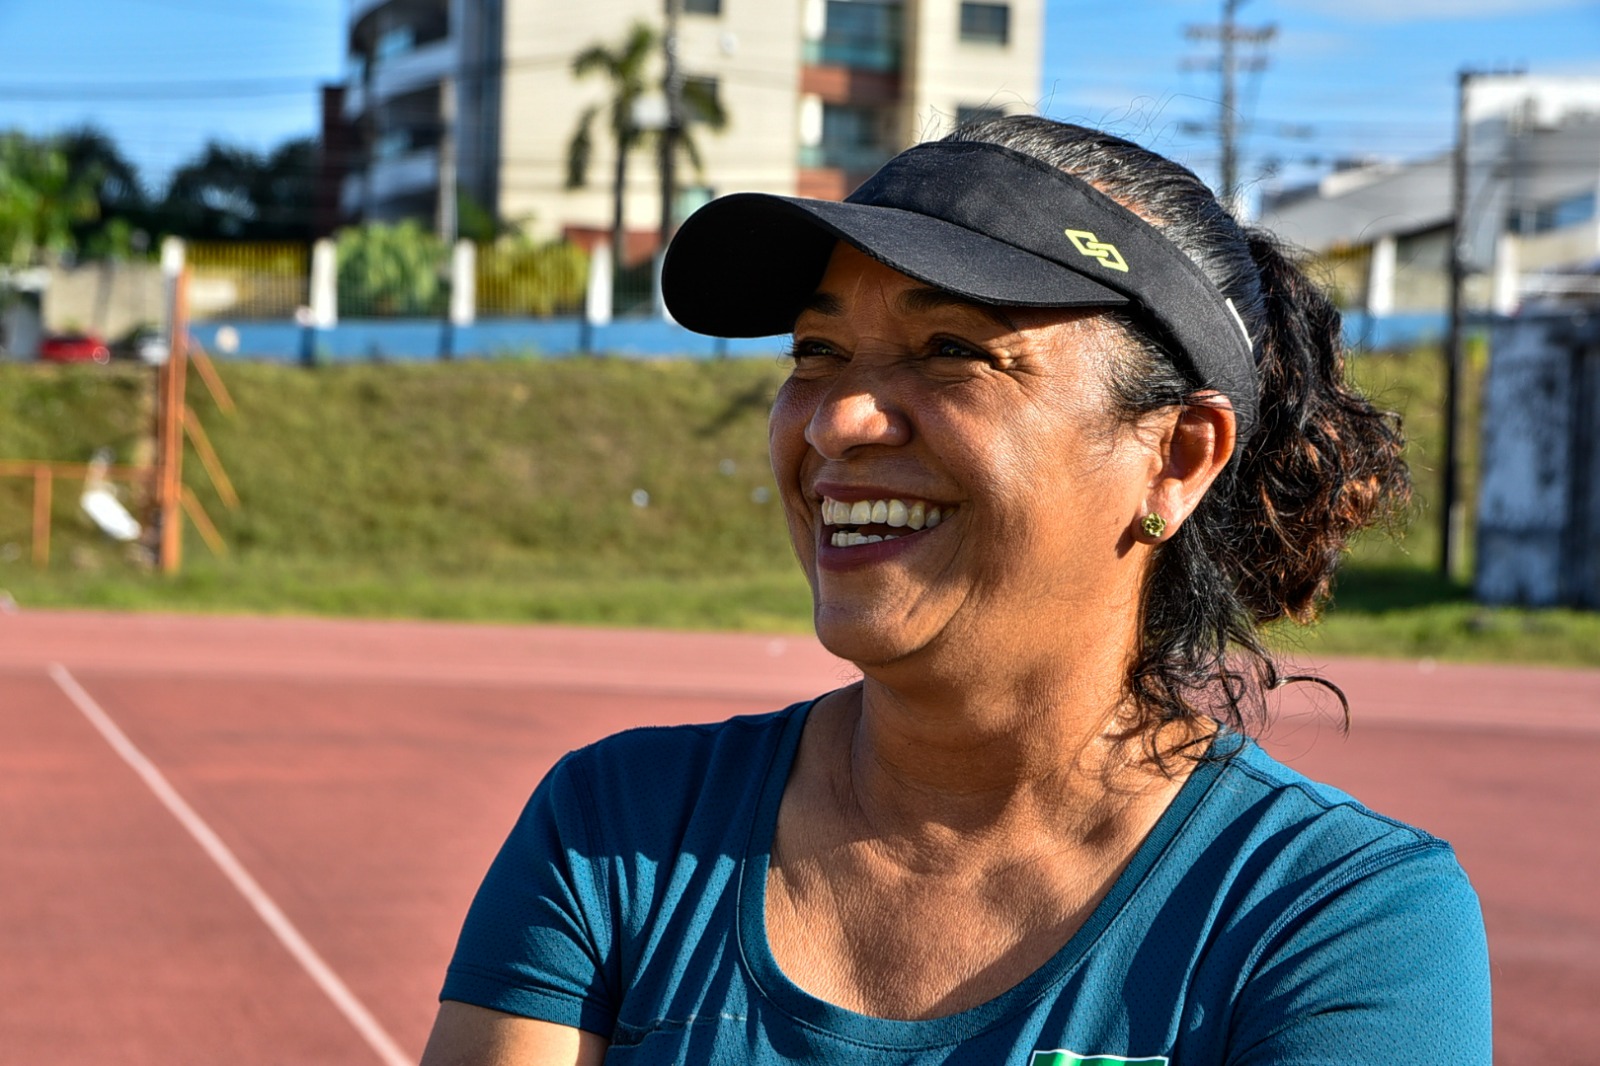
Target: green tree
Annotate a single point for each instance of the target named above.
(124, 206)
(393, 269)
(41, 199)
(625, 67)
(233, 193)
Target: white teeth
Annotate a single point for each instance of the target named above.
(891, 512)
(846, 539)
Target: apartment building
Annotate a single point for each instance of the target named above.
(479, 96)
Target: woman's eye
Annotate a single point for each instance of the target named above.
(952, 349)
(813, 350)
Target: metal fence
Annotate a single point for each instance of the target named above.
(403, 271)
(519, 279)
(252, 280)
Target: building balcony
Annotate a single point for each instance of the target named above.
(851, 85)
(355, 99)
(403, 175)
(423, 66)
(360, 9)
(860, 53)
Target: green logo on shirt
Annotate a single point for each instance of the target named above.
(1072, 1058)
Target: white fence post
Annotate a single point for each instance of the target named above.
(463, 283)
(1380, 277)
(597, 301)
(324, 297)
(173, 255)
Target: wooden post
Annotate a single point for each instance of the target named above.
(42, 493)
(209, 460)
(202, 522)
(169, 482)
(208, 374)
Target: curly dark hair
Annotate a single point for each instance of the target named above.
(1267, 538)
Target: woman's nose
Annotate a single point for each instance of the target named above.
(853, 414)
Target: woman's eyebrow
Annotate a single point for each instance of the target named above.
(824, 303)
(922, 300)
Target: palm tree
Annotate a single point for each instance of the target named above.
(625, 68)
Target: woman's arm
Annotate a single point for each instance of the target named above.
(464, 1035)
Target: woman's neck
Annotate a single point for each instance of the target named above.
(1050, 760)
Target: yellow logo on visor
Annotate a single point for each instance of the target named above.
(1086, 244)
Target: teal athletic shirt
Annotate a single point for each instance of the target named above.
(1266, 919)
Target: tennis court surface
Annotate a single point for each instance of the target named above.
(251, 841)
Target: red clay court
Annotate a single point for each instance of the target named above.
(251, 841)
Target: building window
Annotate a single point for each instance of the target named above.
(858, 34)
(854, 138)
(971, 116)
(986, 23)
(701, 7)
(1543, 218)
(700, 98)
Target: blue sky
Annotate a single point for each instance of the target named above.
(1359, 77)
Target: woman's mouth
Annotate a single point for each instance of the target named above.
(871, 521)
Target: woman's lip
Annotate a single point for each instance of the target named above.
(852, 493)
(831, 557)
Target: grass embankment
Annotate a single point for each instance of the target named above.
(506, 490)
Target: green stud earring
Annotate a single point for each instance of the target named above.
(1153, 524)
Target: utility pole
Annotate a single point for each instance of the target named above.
(448, 110)
(672, 86)
(1229, 35)
(1450, 505)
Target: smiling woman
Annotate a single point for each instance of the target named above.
(1059, 437)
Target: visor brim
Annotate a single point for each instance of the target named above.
(744, 265)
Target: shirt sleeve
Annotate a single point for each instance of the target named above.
(538, 939)
(1389, 966)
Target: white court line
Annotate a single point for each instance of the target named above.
(269, 912)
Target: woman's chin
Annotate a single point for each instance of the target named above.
(866, 637)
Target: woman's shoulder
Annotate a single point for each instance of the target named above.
(668, 782)
(1274, 835)
(1285, 798)
(1334, 922)
(687, 750)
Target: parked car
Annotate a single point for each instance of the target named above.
(74, 348)
(145, 343)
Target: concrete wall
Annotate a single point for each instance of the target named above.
(1538, 528)
(107, 298)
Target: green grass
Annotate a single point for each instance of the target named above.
(504, 490)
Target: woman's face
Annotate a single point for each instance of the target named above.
(988, 428)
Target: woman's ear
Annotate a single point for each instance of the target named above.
(1196, 448)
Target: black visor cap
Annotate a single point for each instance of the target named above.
(978, 220)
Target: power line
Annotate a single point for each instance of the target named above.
(1229, 35)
